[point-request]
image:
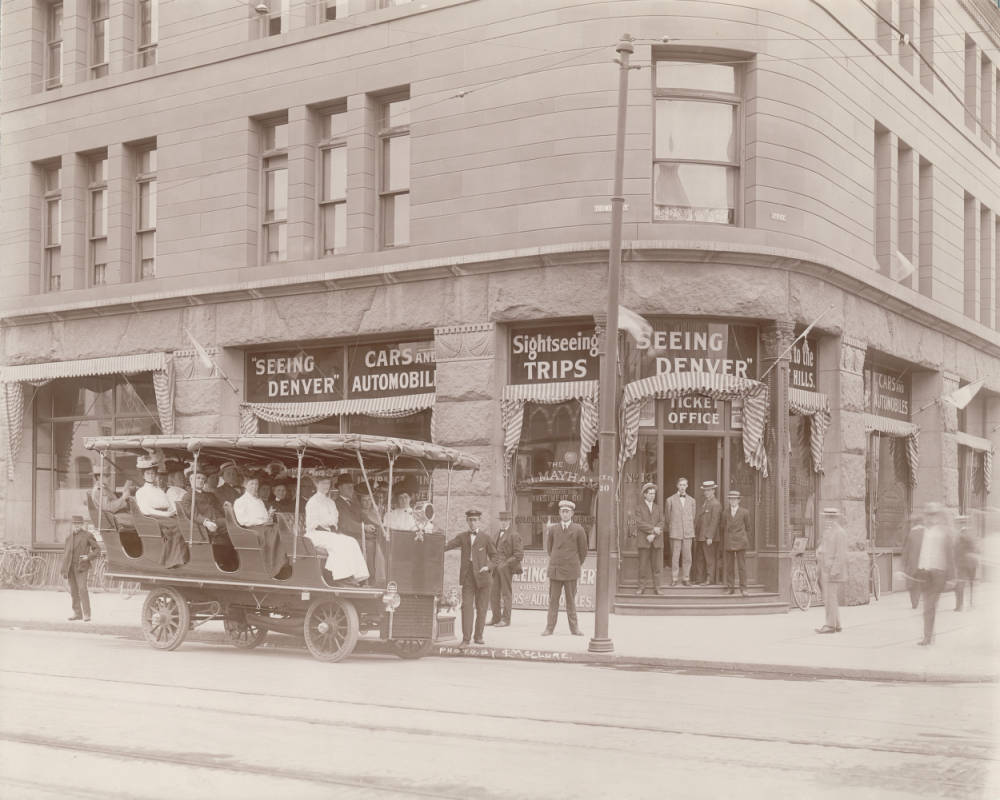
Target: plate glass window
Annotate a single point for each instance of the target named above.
(394, 194)
(146, 214)
(54, 43)
(696, 153)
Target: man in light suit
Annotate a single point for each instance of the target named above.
(478, 558)
(680, 524)
(567, 547)
(831, 557)
(649, 542)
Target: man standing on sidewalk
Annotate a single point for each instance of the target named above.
(477, 559)
(649, 541)
(737, 529)
(510, 551)
(567, 547)
(680, 524)
(80, 549)
(706, 533)
(831, 557)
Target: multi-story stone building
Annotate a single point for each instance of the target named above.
(391, 217)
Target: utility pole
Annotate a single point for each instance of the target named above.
(608, 457)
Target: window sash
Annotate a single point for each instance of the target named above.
(712, 134)
(147, 205)
(148, 23)
(275, 242)
(276, 193)
(98, 213)
(395, 219)
(100, 33)
(53, 221)
(694, 192)
(396, 163)
(146, 251)
(53, 268)
(334, 227)
(334, 166)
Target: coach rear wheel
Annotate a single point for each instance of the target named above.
(331, 628)
(411, 648)
(166, 618)
(241, 633)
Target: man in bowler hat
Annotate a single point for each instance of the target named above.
(567, 548)
(79, 551)
(510, 551)
(478, 558)
(649, 539)
(737, 528)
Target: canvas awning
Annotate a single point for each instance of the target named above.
(307, 413)
(900, 430)
(980, 445)
(816, 406)
(14, 380)
(719, 387)
(516, 395)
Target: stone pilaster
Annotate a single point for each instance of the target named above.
(361, 167)
(75, 19)
(123, 34)
(119, 268)
(73, 256)
(886, 198)
(937, 476)
(302, 135)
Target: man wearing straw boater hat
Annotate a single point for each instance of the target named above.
(567, 547)
(736, 528)
(831, 557)
(649, 539)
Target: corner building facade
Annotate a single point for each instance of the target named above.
(392, 218)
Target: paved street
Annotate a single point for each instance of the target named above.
(102, 716)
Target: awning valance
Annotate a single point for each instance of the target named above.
(980, 445)
(307, 413)
(719, 387)
(901, 430)
(516, 395)
(13, 381)
(32, 373)
(816, 406)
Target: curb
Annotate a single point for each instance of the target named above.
(485, 652)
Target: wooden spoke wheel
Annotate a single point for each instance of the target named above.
(412, 648)
(331, 628)
(166, 618)
(801, 590)
(241, 633)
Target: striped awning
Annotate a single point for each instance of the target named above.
(516, 395)
(901, 430)
(14, 379)
(307, 413)
(980, 445)
(816, 406)
(719, 387)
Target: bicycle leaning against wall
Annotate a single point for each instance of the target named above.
(804, 581)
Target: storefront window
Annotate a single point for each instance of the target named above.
(66, 413)
(547, 469)
(801, 481)
(413, 426)
(888, 496)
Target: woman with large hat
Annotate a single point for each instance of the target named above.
(344, 558)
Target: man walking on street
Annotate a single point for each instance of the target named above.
(831, 557)
(706, 532)
(478, 557)
(79, 551)
(736, 527)
(680, 524)
(649, 541)
(510, 551)
(935, 564)
(567, 548)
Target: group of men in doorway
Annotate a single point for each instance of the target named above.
(697, 538)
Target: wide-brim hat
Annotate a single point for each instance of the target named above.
(226, 465)
(734, 494)
(147, 462)
(709, 485)
(646, 487)
(567, 504)
(321, 474)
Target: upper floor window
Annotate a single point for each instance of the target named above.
(100, 36)
(53, 46)
(327, 10)
(333, 183)
(274, 158)
(145, 228)
(393, 3)
(696, 153)
(271, 17)
(394, 170)
(52, 228)
(97, 228)
(148, 21)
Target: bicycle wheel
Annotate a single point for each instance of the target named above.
(801, 590)
(875, 579)
(33, 571)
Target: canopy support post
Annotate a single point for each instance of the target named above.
(194, 471)
(300, 451)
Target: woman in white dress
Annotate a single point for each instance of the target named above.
(344, 559)
(401, 517)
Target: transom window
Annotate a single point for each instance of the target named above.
(696, 170)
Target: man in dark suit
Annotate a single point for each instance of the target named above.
(567, 547)
(349, 508)
(228, 488)
(649, 539)
(510, 551)
(737, 528)
(208, 511)
(80, 550)
(478, 557)
(706, 534)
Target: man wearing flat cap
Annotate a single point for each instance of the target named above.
(567, 548)
(478, 558)
(649, 525)
(706, 535)
(737, 530)
(510, 551)
(79, 551)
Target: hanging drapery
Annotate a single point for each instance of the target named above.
(14, 379)
(512, 411)
(816, 406)
(983, 446)
(308, 413)
(719, 387)
(901, 430)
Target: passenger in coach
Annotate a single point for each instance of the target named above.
(152, 501)
(344, 558)
(228, 487)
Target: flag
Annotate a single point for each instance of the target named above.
(960, 398)
(905, 267)
(637, 325)
(203, 355)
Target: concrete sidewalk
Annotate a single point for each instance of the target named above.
(878, 641)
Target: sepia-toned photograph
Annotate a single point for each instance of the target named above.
(503, 399)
